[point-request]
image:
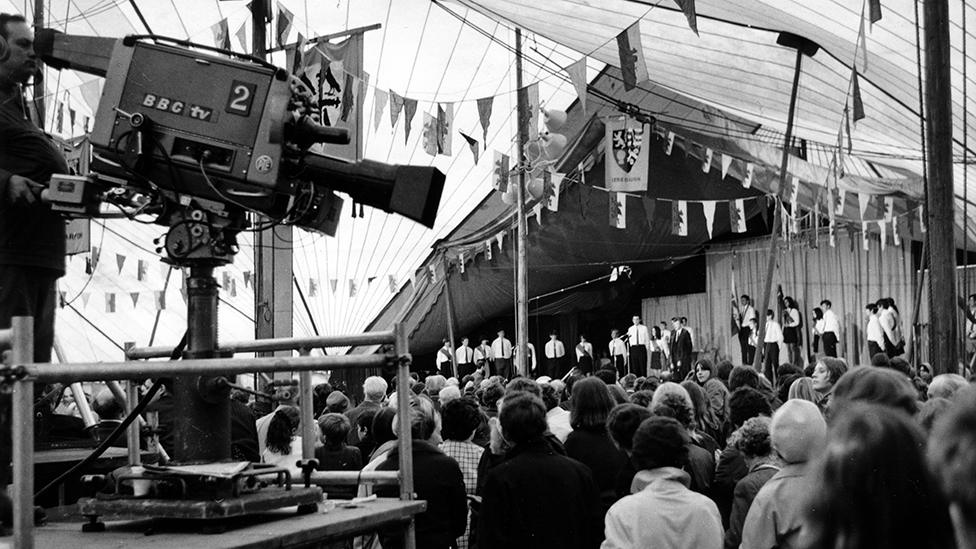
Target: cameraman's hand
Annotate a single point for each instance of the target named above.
(23, 190)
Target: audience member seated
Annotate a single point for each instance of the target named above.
(664, 513)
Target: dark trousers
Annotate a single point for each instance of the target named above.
(554, 367)
(503, 367)
(770, 359)
(873, 349)
(620, 365)
(25, 291)
(830, 344)
(748, 351)
(638, 359)
(465, 369)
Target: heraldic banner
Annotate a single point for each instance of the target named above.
(628, 145)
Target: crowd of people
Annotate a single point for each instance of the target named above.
(831, 456)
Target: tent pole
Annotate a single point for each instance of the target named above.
(38, 82)
(802, 46)
(943, 344)
(449, 305)
(522, 284)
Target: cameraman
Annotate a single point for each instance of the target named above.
(32, 237)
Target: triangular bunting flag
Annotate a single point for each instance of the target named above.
(461, 262)
(679, 218)
(183, 294)
(433, 272)
(109, 303)
(500, 237)
(233, 287)
(445, 125)
(334, 284)
(737, 215)
(632, 64)
(688, 8)
(159, 300)
(864, 236)
(840, 196)
(747, 178)
(707, 160)
(832, 232)
(353, 288)
(708, 208)
(430, 135)
(135, 299)
(863, 38)
(409, 110)
(921, 219)
(61, 299)
(528, 98)
(552, 181)
(889, 208)
(895, 234)
(858, 104)
(120, 261)
(726, 164)
(60, 119)
(313, 288)
(283, 27)
(670, 144)
(396, 105)
(225, 280)
(614, 274)
(473, 145)
(501, 173)
(874, 10)
(577, 75)
(141, 269)
(370, 280)
(247, 278)
(649, 205)
(537, 210)
(484, 115)
(380, 98)
(241, 35)
(863, 201)
(392, 283)
(96, 255)
(488, 249)
(85, 296)
(883, 229)
(221, 34)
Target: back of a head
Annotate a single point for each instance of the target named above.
(591, 404)
(877, 385)
(459, 419)
(660, 442)
(798, 431)
(743, 376)
(873, 487)
(880, 360)
(745, 403)
(723, 370)
(523, 418)
(618, 394)
(524, 384)
(670, 387)
(674, 406)
(491, 395)
(374, 388)
(435, 383)
(952, 459)
(335, 428)
(753, 438)
(945, 385)
(698, 404)
(802, 388)
(382, 428)
(281, 429)
(336, 402)
(105, 405)
(623, 422)
(448, 394)
(628, 381)
(423, 419)
(642, 398)
(607, 376)
(931, 411)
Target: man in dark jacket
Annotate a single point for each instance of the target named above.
(681, 349)
(536, 497)
(437, 479)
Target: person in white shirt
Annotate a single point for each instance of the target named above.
(464, 355)
(584, 355)
(531, 362)
(445, 359)
(831, 329)
(875, 333)
(618, 351)
(483, 357)
(501, 350)
(970, 329)
(891, 324)
(555, 356)
(744, 315)
(774, 336)
(664, 341)
(639, 338)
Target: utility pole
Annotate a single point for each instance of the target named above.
(521, 271)
(940, 209)
(273, 292)
(39, 80)
(803, 47)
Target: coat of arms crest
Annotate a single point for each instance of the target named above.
(627, 147)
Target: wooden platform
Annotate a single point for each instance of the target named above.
(277, 529)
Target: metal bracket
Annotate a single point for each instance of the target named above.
(11, 374)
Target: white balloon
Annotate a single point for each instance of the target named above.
(536, 187)
(508, 197)
(554, 119)
(553, 145)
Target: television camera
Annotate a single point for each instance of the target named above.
(197, 137)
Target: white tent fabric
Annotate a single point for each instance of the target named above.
(736, 66)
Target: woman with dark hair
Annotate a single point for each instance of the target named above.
(590, 442)
(656, 346)
(819, 326)
(792, 335)
(282, 445)
(382, 431)
(716, 397)
(875, 490)
(706, 431)
(825, 375)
